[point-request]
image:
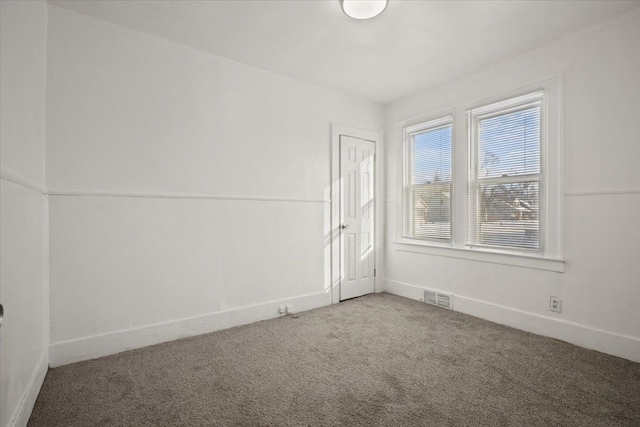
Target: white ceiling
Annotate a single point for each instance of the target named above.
(412, 46)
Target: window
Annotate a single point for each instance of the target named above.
(427, 181)
(505, 174)
(492, 189)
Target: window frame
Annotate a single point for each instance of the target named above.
(496, 109)
(551, 189)
(408, 133)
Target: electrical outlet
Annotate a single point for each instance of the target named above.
(555, 304)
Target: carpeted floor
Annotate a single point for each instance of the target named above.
(379, 360)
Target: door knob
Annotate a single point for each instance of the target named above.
(343, 226)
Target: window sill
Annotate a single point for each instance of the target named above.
(483, 255)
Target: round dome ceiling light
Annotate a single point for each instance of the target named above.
(363, 9)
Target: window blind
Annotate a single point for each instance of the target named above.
(427, 181)
(504, 176)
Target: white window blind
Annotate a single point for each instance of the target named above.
(505, 174)
(427, 181)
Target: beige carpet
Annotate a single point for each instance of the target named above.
(378, 360)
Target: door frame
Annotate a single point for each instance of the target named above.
(334, 231)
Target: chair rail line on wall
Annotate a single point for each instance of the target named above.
(13, 177)
(601, 193)
(82, 193)
(17, 179)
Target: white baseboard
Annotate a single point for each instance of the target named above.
(619, 345)
(25, 407)
(65, 352)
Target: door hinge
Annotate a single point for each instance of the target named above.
(374, 272)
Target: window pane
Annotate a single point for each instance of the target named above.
(431, 156)
(430, 211)
(504, 198)
(428, 192)
(508, 215)
(509, 144)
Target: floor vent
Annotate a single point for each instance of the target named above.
(431, 297)
(438, 299)
(444, 301)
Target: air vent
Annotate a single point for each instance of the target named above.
(438, 299)
(444, 301)
(430, 297)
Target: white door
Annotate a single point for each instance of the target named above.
(357, 208)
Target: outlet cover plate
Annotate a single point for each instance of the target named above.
(555, 304)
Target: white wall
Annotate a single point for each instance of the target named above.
(24, 335)
(230, 166)
(600, 287)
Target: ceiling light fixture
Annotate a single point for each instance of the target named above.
(363, 9)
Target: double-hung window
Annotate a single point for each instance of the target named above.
(427, 179)
(503, 197)
(492, 189)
